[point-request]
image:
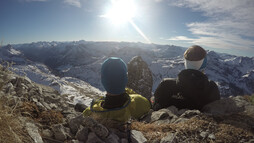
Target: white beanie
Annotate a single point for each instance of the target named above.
(195, 58)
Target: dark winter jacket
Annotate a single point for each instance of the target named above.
(191, 89)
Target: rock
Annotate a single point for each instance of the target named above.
(92, 138)
(163, 114)
(159, 115)
(224, 106)
(82, 134)
(47, 133)
(75, 123)
(53, 106)
(181, 111)
(212, 137)
(79, 107)
(140, 77)
(173, 109)
(33, 132)
(59, 132)
(204, 134)
(170, 138)
(100, 130)
(147, 117)
(160, 122)
(74, 141)
(179, 120)
(137, 137)
(124, 141)
(190, 113)
(112, 138)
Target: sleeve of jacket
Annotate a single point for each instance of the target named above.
(139, 106)
(214, 93)
(87, 112)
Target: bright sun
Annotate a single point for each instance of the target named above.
(122, 11)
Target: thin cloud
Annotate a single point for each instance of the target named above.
(73, 3)
(35, 0)
(230, 23)
(180, 38)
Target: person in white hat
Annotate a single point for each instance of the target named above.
(191, 89)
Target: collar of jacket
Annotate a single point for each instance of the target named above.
(125, 101)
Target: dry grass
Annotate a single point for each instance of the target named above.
(225, 129)
(11, 129)
(48, 117)
(249, 98)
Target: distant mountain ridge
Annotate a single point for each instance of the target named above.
(82, 60)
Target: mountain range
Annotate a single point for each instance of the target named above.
(73, 68)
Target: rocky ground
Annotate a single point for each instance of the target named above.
(30, 112)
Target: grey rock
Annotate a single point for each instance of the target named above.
(159, 115)
(181, 111)
(173, 109)
(75, 141)
(96, 127)
(190, 113)
(147, 117)
(124, 141)
(212, 137)
(75, 123)
(137, 137)
(204, 134)
(82, 134)
(224, 106)
(47, 133)
(140, 77)
(161, 122)
(79, 107)
(59, 132)
(93, 138)
(53, 106)
(251, 141)
(170, 138)
(33, 132)
(112, 138)
(179, 120)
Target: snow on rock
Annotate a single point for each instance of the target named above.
(82, 60)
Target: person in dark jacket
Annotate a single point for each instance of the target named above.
(191, 89)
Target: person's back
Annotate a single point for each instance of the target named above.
(191, 89)
(120, 103)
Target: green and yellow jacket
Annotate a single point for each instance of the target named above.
(133, 106)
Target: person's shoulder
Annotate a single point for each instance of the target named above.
(191, 74)
(190, 71)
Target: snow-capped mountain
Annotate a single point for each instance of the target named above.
(81, 60)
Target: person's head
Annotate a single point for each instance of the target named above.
(195, 58)
(114, 75)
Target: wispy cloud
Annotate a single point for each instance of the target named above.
(180, 38)
(230, 23)
(73, 3)
(35, 0)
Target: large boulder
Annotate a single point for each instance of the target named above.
(140, 77)
(228, 106)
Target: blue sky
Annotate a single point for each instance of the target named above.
(224, 26)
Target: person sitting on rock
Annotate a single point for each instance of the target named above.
(191, 89)
(120, 103)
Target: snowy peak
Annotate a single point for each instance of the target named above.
(82, 60)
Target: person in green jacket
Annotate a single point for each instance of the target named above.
(120, 103)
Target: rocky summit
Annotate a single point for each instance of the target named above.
(38, 113)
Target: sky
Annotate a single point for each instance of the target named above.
(223, 26)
